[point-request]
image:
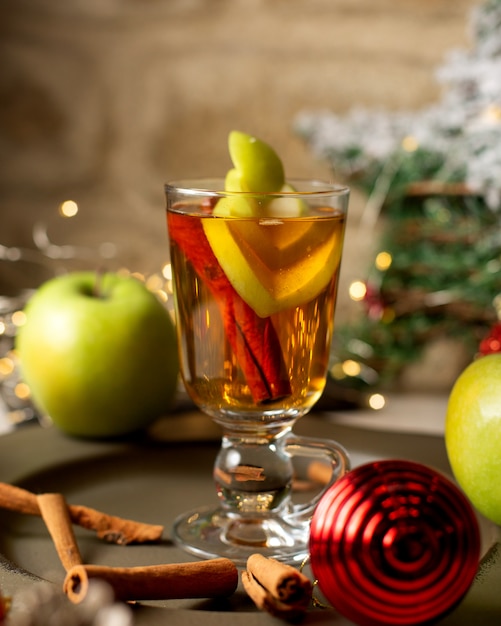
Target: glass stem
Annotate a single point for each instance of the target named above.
(253, 475)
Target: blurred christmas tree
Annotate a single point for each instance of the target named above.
(436, 176)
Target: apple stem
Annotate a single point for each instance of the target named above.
(97, 290)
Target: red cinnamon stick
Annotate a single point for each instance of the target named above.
(252, 338)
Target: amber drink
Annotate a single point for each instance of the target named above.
(255, 303)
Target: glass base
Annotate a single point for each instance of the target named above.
(211, 532)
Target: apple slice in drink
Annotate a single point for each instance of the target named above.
(256, 164)
(275, 266)
(257, 171)
(271, 265)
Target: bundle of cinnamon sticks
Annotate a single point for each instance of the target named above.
(277, 588)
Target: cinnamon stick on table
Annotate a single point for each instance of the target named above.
(276, 587)
(56, 516)
(201, 579)
(205, 579)
(108, 527)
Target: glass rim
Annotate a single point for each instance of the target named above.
(214, 187)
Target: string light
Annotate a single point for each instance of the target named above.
(357, 290)
(376, 401)
(154, 282)
(383, 261)
(492, 113)
(351, 367)
(18, 318)
(139, 276)
(22, 391)
(336, 371)
(167, 271)
(6, 366)
(410, 143)
(68, 208)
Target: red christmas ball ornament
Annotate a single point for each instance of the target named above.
(373, 301)
(394, 542)
(491, 343)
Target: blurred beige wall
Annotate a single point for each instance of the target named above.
(101, 101)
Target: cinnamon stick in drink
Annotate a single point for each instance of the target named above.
(202, 579)
(108, 527)
(253, 339)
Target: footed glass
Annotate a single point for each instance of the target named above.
(255, 297)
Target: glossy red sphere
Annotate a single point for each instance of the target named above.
(394, 542)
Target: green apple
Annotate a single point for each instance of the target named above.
(473, 434)
(98, 352)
